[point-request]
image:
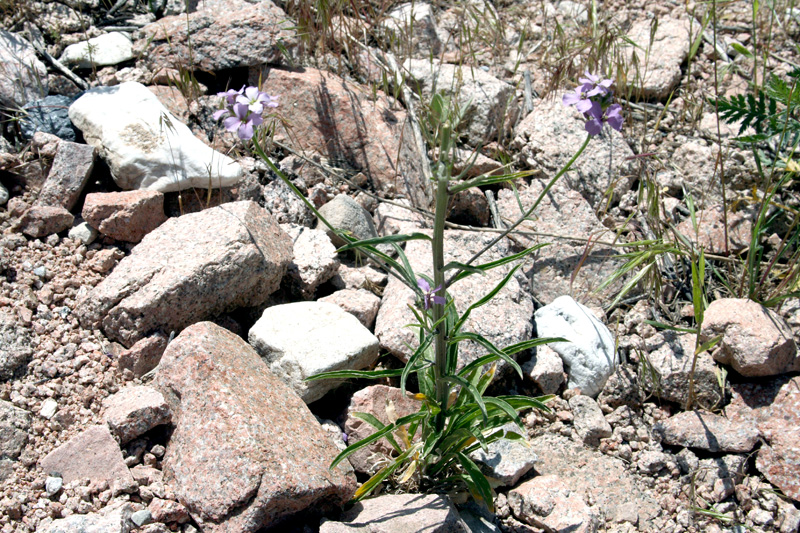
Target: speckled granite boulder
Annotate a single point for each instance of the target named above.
(189, 269)
(246, 451)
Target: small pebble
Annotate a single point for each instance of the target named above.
(40, 271)
(52, 485)
(141, 518)
(49, 407)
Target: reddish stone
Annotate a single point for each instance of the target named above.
(246, 451)
(361, 303)
(188, 269)
(135, 410)
(711, 230)
(707, 431)
(400, 513)
(124, 216)
(343, 121)
(547, 500)
(756, 341)
(40, 221)
(92, 454)
(775, 409)
(143, 356)
(167, 511)
(72, 166)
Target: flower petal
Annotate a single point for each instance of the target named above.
(246, 131)
(593, 127)
(232, 123)
(424, 285)
(221, 113)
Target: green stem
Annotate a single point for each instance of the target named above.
(440, 365)
(530, 211)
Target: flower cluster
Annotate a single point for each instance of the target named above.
(244, 109)
(593, 98)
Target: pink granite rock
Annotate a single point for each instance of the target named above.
(224, 34)
(374, 400)
(361, 303)
(143, 356)
(40, 221)
(167, 511)
(125, 216)
(315, 260)
(399, 513)
(135, 410)
(246, 451)
(707, 431)
(775, 408)
(72, 166)
(547, 500)
(190, 268)
(343, 122)
(92, 454)
(756, 341)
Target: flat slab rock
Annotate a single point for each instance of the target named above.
(189, 269)
(246, 451)
(775, 409)
(135, 410)
(551, 268)
(505, 320)
(707, 431)
(400, 513)
(92, 454)
(300, 339)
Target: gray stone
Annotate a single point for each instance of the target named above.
(53, 484)
(141, 518)
(414, 23)
(3, 194)
(590, 354)
(83, 232)
(707, 431)
(15, 344)
(145, 146)
(246, 451)
(659, 62)
(69, 174)
(667, 365)
(507, 460)
(192, 267)
(589, 422)
(487, 103)
(301, 339)
(115, 518)
(50, 115)
(314, 262)
(399, 513)
(14, 426)
(221, 34)
(106, 49)
(143, 356)
(92, 454)
(505, 320)
(345, 214)
(23, 77)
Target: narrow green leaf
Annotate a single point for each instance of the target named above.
(709, 344)
(356, 374)
(741, 49)
(480, 485)
(479, 401)
(491, 348)
(387, 239)
(382, 474)
(499, 262)
(377, 424)
(487, 298)
(661, 325)
(375, 436)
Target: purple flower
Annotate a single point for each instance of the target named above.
(593, 98)
(242, 122)
(230, 95)
(429, 296)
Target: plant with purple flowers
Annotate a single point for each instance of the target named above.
(244, 110)
(593, 97)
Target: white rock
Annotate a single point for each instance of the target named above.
(83, 232)
(52, 485)
(49, 408)
(301, 339)
(414, 22)
(590, 356)
(107, 49)
(145, 146)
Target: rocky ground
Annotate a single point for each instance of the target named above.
(153, 343)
